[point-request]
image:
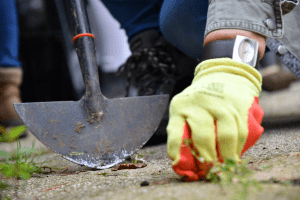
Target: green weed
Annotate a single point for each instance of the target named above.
(104, 174)
(234, 174)
(17, 165)
(228, 173)
(12, 134)
(134, 161)
(263, 167)
(21, 167)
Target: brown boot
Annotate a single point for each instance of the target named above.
(276, 78)
(10, 81)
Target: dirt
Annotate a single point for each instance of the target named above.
(274, 160)
(79, 127)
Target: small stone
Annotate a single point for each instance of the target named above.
(144, 183)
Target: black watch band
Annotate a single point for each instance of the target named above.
(220, 49)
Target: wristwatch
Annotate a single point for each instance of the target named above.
(241, 49)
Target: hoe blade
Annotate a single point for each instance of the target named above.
(97, 140)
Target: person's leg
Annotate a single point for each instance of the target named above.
(188, 31)
(9, 36)
(155, 66)
(183, 23)
(135, 16)
(10, 71)
(140, 19)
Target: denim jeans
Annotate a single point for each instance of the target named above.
(186, 22)
(9, 36)
(182, 22)
(135, 15)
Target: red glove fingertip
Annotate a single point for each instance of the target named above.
(187, 165)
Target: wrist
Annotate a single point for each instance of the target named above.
(232, 33)
(219, 66)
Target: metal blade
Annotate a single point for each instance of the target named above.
(97, 140)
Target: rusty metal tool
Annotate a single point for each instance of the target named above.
(95, 131)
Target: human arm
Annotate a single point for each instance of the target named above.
(195, 112)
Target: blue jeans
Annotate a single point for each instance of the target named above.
(9, 36)
(182, 22)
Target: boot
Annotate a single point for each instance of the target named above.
(10, 81)
(274, 76)
(277, 78)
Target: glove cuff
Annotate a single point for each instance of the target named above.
(227, 65)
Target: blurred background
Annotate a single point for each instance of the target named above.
(52, 72)
(49, 60)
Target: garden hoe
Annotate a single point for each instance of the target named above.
(95, 131)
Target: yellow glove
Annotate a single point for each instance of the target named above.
(215, 118)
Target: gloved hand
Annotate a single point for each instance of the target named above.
(215, 118)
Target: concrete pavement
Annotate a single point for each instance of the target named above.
(281, 106)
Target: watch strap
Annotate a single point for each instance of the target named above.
(220, 49)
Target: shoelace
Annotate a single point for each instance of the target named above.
(150, 69)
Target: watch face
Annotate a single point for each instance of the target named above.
(246, 51)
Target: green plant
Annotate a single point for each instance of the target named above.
(263, 167)
(227, 173)
(135, 161)
(104, 174)
(232, 173)
(3, 185)
(11, 134)
(152, 152)
(18, 165)
(22, 168)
